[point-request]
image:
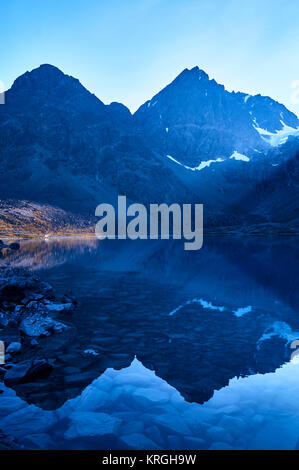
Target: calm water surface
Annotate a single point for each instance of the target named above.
(166, 349)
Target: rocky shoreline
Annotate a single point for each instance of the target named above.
(29, 311)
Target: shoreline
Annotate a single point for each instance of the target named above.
(209, 233)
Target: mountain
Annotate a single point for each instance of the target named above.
(195, 120)
(276, 197)
(229, 148)
(24, 219)
(194, 142)
(59, 144)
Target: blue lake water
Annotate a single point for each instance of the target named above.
(167, 349)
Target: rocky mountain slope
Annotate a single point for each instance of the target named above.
(24, 218)
(59, 144)
(276, 196)
(192, 142)
(194, 120)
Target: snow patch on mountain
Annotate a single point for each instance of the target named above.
(201, 166)
(239, 156)
(279, 137)
(205, 164)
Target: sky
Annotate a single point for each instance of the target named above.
(128, 50)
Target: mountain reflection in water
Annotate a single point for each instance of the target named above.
(133, 408)
(45, 253)
(197, 319)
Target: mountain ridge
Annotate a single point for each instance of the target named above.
(213, 121)
(61, 145)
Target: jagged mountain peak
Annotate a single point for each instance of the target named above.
(193, 80)
(61, 144)
(191, 74)
(194, 119)
(41, 76)
(47, 85)
(43, 69)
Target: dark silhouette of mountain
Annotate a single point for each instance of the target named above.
(62, 145)
(275, 198)
(229, 148)
(193, 142)
(194, 119)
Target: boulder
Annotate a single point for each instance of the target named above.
(58, 308)
(17, 373)
(26, 371)
(14, 348)
(37, 325)
(12, 293)
(39, 368)
(14, 246)
(3, 320)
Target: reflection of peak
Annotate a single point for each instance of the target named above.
(39, 254)
(98, 414)
(137, 366)
(135, 375)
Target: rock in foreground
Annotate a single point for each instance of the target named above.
(26, 372)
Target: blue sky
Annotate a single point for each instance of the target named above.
(127, 50)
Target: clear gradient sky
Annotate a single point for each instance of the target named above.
(127, 50)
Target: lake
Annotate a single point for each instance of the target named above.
(167, 349)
